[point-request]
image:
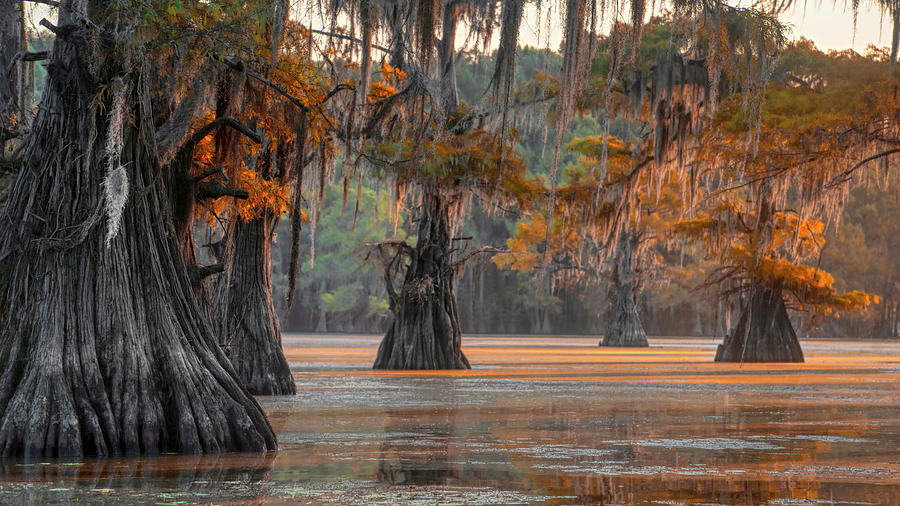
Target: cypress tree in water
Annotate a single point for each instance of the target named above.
(103, 347)
(425, 331)
(623, 326)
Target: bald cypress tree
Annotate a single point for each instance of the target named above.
(103, 347)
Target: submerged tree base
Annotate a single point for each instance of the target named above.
(625, 330)
(623, 322)
(104, 349)
(425, 331)
(764, 332)
(252, 331)
(422, 340)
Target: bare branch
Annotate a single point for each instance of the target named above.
(844, 176)
(349, 38)
(27, 56)
(334, 91)
(214, 190)
(211, 172)
(228, 121)
(240, 67)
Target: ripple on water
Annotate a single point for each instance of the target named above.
(715, 443)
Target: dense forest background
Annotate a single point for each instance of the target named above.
(340, 290)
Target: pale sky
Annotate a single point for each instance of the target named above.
(830, 26)
(828, 23)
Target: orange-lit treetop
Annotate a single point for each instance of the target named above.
(767, 190)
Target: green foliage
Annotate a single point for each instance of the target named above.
(342, 299)
(341, 282)
(41, 41)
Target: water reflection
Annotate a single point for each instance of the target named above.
(177, 478)
(548, 421)
(423, 459)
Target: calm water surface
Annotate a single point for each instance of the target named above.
(539, 420)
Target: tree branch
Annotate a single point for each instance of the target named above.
(61, 31)
(239, 66)
(214, 190)
(224, 121)
(844, 176)
(198, 273)
(27, 56)
(334, 91)
(211, 172)
(349, 38)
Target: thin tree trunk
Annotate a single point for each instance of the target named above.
(447, 60)
(698, 320)
(425, 332)
(623, 322)
(16, 81)
(252, 334)
(104, 349)
(895, 33)
(482, 321)
(322, 325)
(764, 332)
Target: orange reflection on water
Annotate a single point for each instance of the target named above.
(539, 420)
(668, 362)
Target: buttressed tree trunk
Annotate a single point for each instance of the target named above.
(104, 349)
(623, 326)
(764, 332)
(425, 332)
(252, 334)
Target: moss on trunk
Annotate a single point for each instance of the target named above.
(623, 327)
(104, 349)
(425, 332)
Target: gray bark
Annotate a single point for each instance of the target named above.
(425, 332)
(16, 74)
(104, 349)
(764, 332)
(447, 60)
(623, 326)
(252, 333)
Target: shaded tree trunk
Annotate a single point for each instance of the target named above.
(447, 59)
(623, 326)
(425, 332)
(16, 77)
(698, 320)
(322, 324)
(252, 334)
(764, 332)
(104, 349)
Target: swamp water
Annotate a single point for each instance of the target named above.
(538, 420)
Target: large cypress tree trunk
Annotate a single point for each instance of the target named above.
(252, 334)
(425, 332)
(764, 332)
(623, 327)
(103, 347)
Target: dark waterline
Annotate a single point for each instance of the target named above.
(539, 420)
